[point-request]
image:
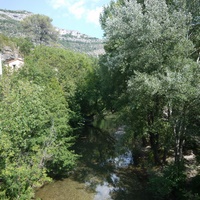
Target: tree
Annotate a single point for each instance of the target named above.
(75, 73)
(24, 45)
(149, 50)
(39, 29)
(35, 137)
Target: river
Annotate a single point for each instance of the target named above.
(105, 171)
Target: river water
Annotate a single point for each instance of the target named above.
(104, 172)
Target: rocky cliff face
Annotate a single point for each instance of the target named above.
(69, 39)
(8, 54)
(14, 15)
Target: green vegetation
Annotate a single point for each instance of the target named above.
(39, 29)
(40, 108)
(151, 78)
(73, 71)
(148, 79)
(6, 41)
(35, 136)
(24, 45)
(10, 27)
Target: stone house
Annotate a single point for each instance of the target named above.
(16, 63)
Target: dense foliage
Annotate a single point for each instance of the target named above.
(40, 29)
(73, 71)
(41, 105)
(34, 133)
(150, 75)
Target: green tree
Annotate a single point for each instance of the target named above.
(24, 45)
(39, 29)
(193, 8)
(88, 94)
(149, 51)
(75, 73)
(35, 137)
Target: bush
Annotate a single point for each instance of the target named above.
(167, 185)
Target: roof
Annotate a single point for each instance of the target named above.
(17, 59)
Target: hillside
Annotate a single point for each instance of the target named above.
(80, 42)
(69, 39)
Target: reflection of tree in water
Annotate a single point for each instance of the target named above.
(98, 170)
(131, 184)
(95, 147)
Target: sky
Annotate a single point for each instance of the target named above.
(79, 15)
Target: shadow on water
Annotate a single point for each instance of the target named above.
(104, 171)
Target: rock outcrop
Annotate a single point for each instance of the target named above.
(14, 15)
(7, 54)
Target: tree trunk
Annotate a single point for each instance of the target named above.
(154, 141)
(144, 141)
(164, 155)
(179, 131)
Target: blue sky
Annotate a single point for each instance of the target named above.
(80, 15)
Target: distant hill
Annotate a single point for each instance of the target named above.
(69, 39)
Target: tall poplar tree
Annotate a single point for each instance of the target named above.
(149, 49)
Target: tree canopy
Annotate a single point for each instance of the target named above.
(40, 107)
(149, 56)
(150, 77)
(40, 29)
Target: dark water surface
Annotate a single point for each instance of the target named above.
(105, 171)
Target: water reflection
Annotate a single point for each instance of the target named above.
(103, 191)
(105, 169)
(109, 165)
